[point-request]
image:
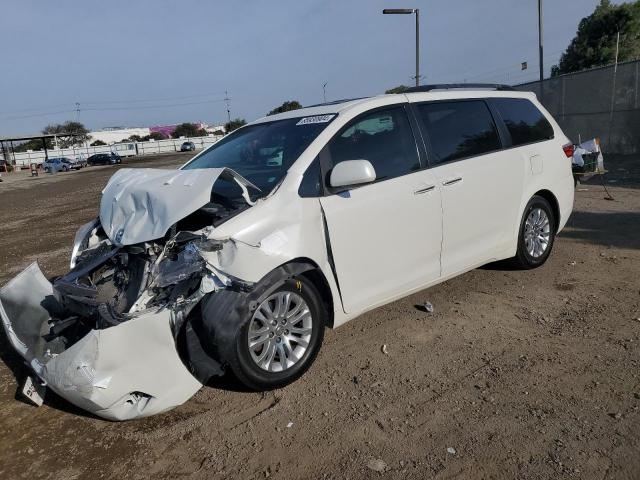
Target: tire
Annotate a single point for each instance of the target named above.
(533, 251)
(242, 360)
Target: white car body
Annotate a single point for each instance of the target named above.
(372, 244)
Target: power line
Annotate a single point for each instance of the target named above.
(102, 109)
(107, 102)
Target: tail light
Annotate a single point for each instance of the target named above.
(568, 150)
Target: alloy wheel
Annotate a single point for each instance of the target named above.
(537, 232)
(280, 331)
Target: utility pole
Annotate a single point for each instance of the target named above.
(77, 111)
(540, 51)
(540, 48)
(324, 92)
(226, 99)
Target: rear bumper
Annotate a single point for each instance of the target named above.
(565, 192)
(127, 371)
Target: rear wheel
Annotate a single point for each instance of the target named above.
(281, 338)
(537, 234)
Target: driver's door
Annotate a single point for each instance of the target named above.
(385, 236)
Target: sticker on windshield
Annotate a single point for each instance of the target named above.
(315, 119)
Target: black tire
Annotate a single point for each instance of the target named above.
(523, 258)
(237, 355)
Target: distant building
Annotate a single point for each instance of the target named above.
(167, 130)
(118, 134)
(114, 135)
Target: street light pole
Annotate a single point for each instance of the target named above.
(409, 11)
(417, 47)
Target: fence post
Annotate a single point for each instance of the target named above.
(562, 86)
(635, 101)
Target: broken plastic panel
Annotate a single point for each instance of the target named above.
(187, 262)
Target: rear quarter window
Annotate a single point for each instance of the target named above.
(525, 123)
(459, 129)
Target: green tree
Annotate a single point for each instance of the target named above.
(188, 130)
(398, 89)
(97, 143)
(595, 41)
(234, 124)
(69, 133)
(133, 138)
(285, 107)
(154, 136)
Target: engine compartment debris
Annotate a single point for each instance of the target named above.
(118, 318)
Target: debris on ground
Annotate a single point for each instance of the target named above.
(377, 465)
(290, 424)
(384, 349)
(428, 307)
(451, 450)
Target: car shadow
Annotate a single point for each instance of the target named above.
(608, 229)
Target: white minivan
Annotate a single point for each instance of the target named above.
(296, 222)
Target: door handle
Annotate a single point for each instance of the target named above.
(452, 181)
(418, 191)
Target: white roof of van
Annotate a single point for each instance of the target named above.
(341, 106)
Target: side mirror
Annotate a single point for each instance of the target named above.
(352, 172)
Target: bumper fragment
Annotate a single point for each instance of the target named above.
(126, 371)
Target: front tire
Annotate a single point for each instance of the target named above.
(537, 234)
(280, 339)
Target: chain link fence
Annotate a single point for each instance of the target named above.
(603, 102)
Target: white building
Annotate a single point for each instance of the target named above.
(113, 135)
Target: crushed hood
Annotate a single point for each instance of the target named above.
(141, 204)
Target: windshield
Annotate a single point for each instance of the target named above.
(264, 152)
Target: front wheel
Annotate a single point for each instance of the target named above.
(537, 234)
(281, 338)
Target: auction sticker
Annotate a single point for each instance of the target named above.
(315, 119)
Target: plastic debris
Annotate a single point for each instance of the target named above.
(290, 424)
(428, 307)
(377, 465)
(384, 349)
(451, 450)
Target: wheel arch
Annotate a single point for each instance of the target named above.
(553, 201)
(318, 279)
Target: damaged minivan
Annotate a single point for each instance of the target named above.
(300, 221)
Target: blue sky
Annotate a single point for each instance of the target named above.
(140, 63)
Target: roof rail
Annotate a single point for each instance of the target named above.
(334, 102)
(454, 86)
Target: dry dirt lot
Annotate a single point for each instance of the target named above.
(515, 375)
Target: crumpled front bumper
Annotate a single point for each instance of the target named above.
(126, 371)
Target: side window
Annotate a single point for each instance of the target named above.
(525, 122)
(310, 184)
(383, 137)
(459, 129)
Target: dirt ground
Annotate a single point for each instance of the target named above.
(515, 375)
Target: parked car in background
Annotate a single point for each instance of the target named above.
(239, 260)
(60, 164)
(187, 147)
(104, 159)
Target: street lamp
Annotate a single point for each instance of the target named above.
(409, 11)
